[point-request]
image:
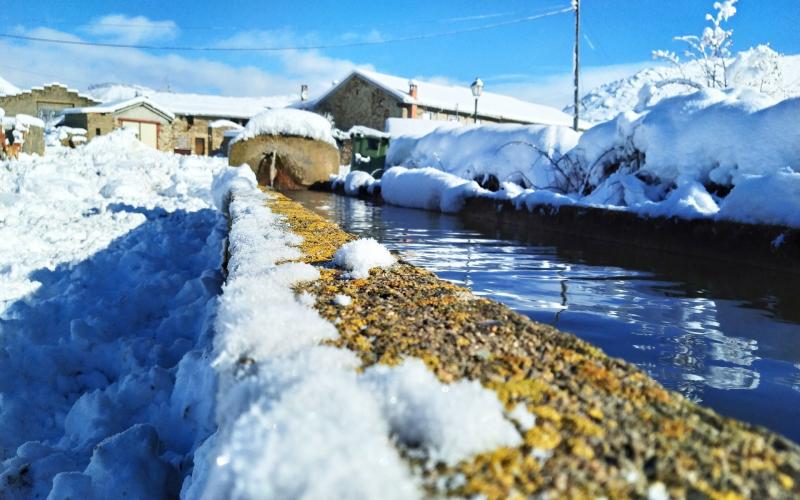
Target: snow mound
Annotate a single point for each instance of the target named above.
(359, 256)
(291, 122)
(517, 153)
(450, 422)
(769, 199)
(355, 180)
(427, 188)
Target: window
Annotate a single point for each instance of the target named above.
(97, 132)
(190, 120)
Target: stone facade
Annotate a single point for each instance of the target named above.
(194, 135)
(44, 102)
(286, 162)
(359, 102)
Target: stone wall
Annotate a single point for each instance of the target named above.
(358, 102)
(286, 162)
(54, 97)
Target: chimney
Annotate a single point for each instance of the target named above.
(413, 90)
(304, 92)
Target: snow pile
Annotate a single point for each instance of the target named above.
(110, 261)
(359, 256)
(222, 123)
(524, 154)
(414, 127)
(452, 422)
(770, 199)
(354, 182)
(291, 122)
(427, 188)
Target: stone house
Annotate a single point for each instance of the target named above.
(152, 123)
(369, 98)
(45, 102)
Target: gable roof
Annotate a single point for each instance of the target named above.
(217, 105)
(117, 106)
(454, 98)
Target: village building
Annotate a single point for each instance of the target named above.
(151, 122)
(369, 98)
(45, 102)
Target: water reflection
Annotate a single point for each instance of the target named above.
(721, 335)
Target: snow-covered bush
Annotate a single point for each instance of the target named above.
(711, 48)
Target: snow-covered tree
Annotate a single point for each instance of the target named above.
(710, 49)
(760, 68)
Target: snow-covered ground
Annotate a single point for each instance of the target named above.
(129, 368)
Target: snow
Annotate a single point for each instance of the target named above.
(455, 99)
(291, 122)
(667, 160)
(354, 181)
(746, 70)
(114, 106)
(415, 127)
(192, 104)
(225, 124)
(427, 188)
(342, 300)
(450, 422)
(106, 295)
(769, 199)
(519, 153)
(8, 88)
(359, 256)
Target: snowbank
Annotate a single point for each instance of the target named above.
(110, 261)
(427, 188)
(520, 153)
(292, 122)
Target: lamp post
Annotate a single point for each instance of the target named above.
(304, 92)
(477, 90)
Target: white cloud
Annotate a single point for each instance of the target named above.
(81, 66)
(131, 30)
(556, 89)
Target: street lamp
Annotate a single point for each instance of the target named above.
(477, 90)
(304, 92)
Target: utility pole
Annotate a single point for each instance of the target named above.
(576, 4)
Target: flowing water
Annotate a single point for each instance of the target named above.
(723, 335)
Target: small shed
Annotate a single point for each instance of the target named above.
(369, 150)
(149, 120)
(286, 148)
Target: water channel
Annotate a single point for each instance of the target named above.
(724, 335)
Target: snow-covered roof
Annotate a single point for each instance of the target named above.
(223, 123)
(366, 132)
(113, 107)
(458, 98)
(289, 122)
(51, 84)
(218, 106)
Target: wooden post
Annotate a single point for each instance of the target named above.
(576, 61)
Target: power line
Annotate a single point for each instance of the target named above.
(176, 48)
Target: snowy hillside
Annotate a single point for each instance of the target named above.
(607, 101)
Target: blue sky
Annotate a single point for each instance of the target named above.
(531, 60)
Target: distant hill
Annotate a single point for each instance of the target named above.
(608, 100)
